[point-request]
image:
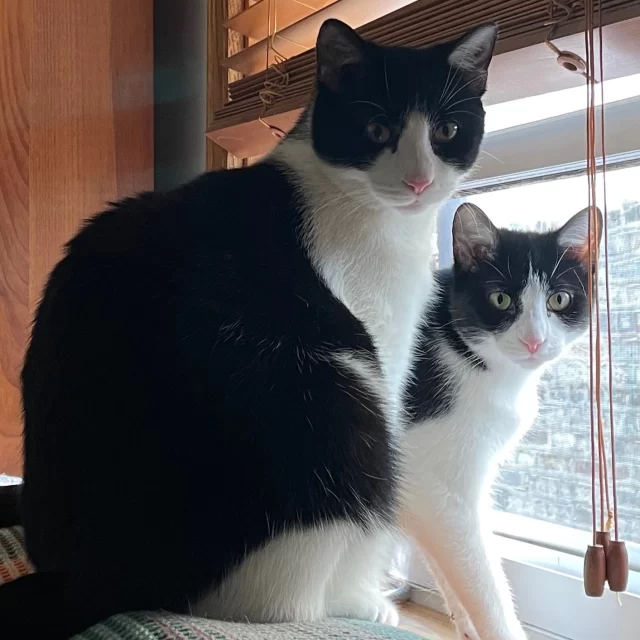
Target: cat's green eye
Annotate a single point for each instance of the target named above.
(559, 301)
(445, 132)
(500, 300)
(379, 133)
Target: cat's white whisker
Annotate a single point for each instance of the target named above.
(559, 261)
(373, 104)
(386, 77)
(486, 153)
(493, 266)
(458, 89)
(457, 102)
(469, 113)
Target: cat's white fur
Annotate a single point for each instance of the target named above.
(369, 237)
(452, 460)
(306, 575)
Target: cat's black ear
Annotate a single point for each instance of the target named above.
(475, 238)
(473, 52)
(573, 237)
(338, 47)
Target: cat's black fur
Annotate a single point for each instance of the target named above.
(158, 432)
(178, 407)
(461, 310)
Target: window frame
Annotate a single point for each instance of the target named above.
(545, 572)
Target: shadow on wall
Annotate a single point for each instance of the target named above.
(180, 84)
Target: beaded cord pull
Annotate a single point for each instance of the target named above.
(595, 571)
(606, 559)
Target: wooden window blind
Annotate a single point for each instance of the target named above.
(523, 64)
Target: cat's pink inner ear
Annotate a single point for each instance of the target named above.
(585, 254)
(474, 236)
(574, 237)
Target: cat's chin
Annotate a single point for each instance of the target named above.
(533, 364)
(412, 208)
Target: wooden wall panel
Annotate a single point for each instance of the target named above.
(76, 130)
(15, 29)
(217, 78)
(92, 117)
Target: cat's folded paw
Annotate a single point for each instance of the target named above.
(367, 606)
(466, 631)
(387, 612)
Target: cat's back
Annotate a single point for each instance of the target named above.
(220, 209)
(226, 242)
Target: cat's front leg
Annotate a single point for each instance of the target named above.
(461, 548)
(355, 589)
(457, 614)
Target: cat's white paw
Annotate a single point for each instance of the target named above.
(387, 612)
(466, 631)
(367, 606)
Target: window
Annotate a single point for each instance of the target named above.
(531, 176)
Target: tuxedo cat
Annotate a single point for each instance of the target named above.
(212, 386)
(510, 305)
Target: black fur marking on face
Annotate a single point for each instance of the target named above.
(488, 260)
(384, 85)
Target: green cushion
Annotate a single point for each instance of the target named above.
(166, 626)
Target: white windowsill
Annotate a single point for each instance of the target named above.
(549, 594)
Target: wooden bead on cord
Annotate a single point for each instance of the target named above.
(617, 566)
(603, 538)
(595, 571)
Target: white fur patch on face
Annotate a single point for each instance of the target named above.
(533, 323)
(536, 337)
(413, 159)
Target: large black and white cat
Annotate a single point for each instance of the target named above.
(510, 305)
(212, 385)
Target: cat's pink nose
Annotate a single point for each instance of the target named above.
(532, 344)
(418, 184)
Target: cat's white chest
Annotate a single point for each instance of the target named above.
(387, 287)
(462, 448)
(393, 322)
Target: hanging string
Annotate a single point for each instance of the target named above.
(605, 231)
(273, 87)
(590, 293)
(607, 561)
(595, 367)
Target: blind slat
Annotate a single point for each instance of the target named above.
(423, 23)
(252, 22)
(301, 36)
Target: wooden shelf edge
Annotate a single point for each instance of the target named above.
(251, 139)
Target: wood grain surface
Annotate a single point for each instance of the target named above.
(92, 117)
(76, 131)
(15, 28)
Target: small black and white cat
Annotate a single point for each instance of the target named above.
(510, 305)
(212, 385)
